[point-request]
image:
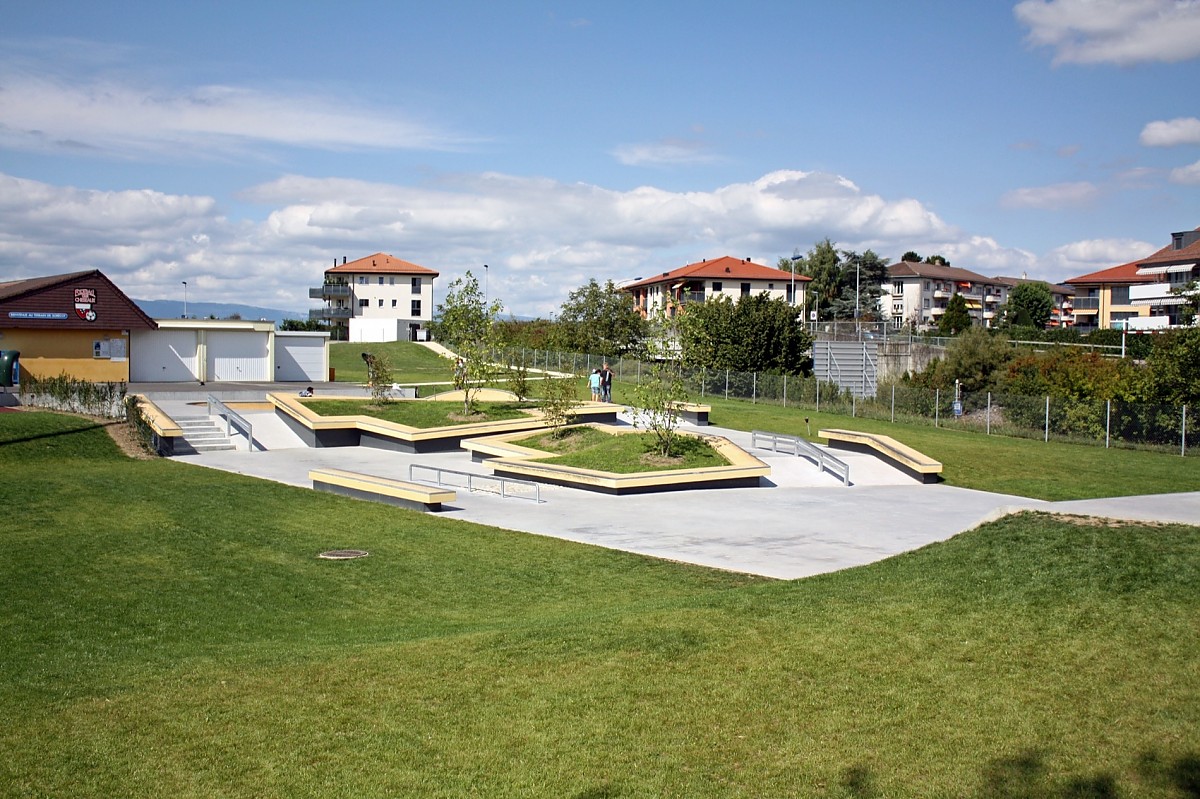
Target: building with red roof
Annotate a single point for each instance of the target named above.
(708, 279)
(376, 298)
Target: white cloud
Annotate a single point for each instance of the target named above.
(669, 152)
(1053, 197)
(42, 112)
(1113, 31)
(1184, 130)
(540, 237)
(1083, 257)
(1187, 175)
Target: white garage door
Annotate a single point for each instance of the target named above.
(163, 356)
(300, 359)
(235, 356)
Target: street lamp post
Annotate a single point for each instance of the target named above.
(485, 276)
(184, 299)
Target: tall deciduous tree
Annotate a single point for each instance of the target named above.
(755, 333)
(861, 281)
(467, 324)
(600, 319)
(1029, 304)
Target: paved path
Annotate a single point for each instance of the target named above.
(799, 523)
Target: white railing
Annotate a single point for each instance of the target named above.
(232, 418)
(474, 479)
(779, 442)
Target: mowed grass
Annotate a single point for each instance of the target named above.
(421, 413)
(589, 448)
(169, 631)
(410, 363)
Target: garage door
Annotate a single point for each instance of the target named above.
(235, 356)
(162, 356)
(300, 359)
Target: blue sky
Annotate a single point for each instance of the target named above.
(244, 146)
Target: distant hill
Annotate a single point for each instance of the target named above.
(173, 309)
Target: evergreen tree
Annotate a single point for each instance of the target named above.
(956, 319)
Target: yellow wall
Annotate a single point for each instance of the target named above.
(50, 353)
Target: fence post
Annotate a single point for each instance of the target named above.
(818, 395)
(937, 400)
(893, 404)
(1107, 421)
(1046, 437)
(853, 405)
(703, 380)
(989, 414)
(1183, 435)
(753, 388)
(785, 389)
(726, 384)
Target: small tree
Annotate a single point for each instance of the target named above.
(1190, 308)
(660, 392)
(467, 323)
(1029, 304)
(379, 376)
(559, 401)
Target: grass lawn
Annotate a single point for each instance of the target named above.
(411, 363)
(588, 448)
(168, 631)
(421, 413)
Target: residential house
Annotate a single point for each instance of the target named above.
(376, 298)
(916, 294)
(1137, 295)
(720, 277)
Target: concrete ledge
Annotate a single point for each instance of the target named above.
(694, 412)
(165, 432)
(350, 431)
(904, 457)
(508, 459)
(380, 489)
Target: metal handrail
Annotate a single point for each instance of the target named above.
(804, 449)
(471, 478)
(232, 419)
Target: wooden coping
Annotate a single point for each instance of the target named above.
(888, 447)
(162, 424)
(381, 486)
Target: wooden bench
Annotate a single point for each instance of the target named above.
(904, 457)
(401, 493)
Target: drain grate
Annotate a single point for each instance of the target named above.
(343, 554)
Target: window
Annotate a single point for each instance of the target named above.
(898, 287)
(392, 280)
(381, 280)
(416, 308)
(416, 285)
(1120, 295)
(770, 287)
(381, 303)
(363, 303)
(362, 280)
(716, 285)
(745, 289)
(393, 303)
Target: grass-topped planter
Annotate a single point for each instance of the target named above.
(412, 425)
(625, 463)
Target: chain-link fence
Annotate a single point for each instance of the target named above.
(1108, 423)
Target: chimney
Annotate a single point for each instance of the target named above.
(343, 260)
(335, 263)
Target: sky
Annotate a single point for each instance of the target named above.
(244, 146)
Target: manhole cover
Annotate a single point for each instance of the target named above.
(343, 554)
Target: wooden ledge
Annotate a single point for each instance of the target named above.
(916, 463)
(385, 489)
(162, 424)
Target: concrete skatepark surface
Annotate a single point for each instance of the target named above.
(798, 523)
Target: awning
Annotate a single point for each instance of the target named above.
(974, 305)
(1165, 270)
(1160, 301)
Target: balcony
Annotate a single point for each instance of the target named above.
(329, 290)
(1154, 294)
(331, 313)
(1087, 303)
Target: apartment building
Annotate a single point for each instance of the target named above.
(916, 294)
(376, 298)
(720, 277)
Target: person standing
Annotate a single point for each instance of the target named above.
(594, 384)
(606, 378)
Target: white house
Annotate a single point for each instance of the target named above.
(916, 294)
(727, 276)
(376, 298)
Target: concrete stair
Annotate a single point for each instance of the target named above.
(202, 434)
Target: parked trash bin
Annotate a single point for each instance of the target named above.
(9, 370)
(332, 372)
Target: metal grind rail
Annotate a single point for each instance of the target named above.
(473, 479)
(778, 442)
(232, 419)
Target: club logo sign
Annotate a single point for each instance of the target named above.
(84, 300)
